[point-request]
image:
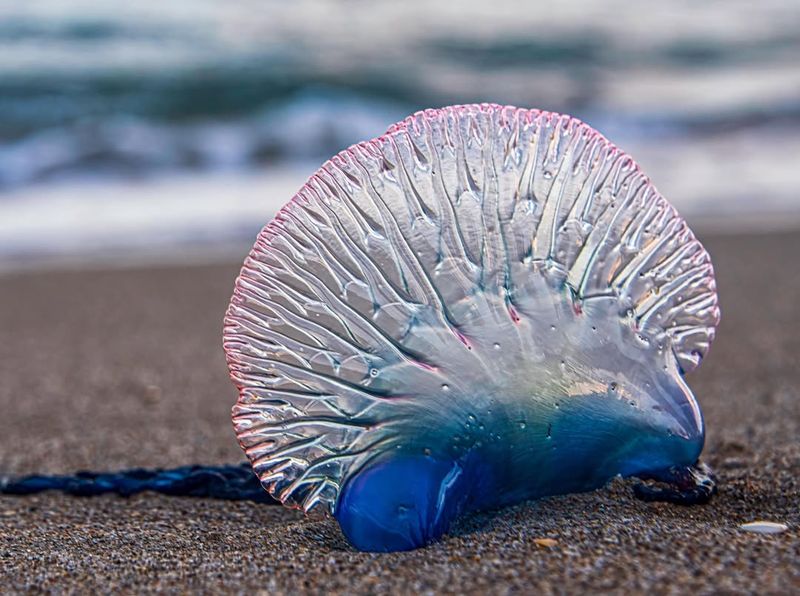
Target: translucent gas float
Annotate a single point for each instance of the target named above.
(484, 305)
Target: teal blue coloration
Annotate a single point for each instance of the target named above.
(401, 501)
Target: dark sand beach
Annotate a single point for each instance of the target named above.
(110, 369)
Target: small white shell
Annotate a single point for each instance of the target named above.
(764, 527)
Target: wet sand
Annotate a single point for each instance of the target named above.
(111, 369)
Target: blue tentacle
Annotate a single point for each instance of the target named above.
(233, 483)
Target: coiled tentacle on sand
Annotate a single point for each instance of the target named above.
(234, 483)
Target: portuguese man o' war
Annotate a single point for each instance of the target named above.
(482, 306)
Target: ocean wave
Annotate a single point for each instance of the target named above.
(92, 79)
(310, 125)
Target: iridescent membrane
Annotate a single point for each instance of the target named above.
(485, 305)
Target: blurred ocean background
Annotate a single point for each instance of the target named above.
(176, 129)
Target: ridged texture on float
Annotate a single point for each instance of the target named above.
(390, 277)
